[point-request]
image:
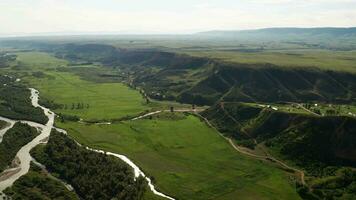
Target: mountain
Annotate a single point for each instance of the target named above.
(286, 32)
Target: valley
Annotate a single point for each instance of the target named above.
(198, 125)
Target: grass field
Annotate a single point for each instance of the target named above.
(37, 60)
(187, 159)
(98, 101)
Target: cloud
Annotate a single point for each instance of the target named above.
(176, 17)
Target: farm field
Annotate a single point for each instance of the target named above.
(198, 163)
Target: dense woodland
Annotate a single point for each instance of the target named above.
(2, 124)
(36, 184)
(336, 183)
(93, 175)
(15, 102)
(12, 142)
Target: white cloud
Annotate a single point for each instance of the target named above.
(68, 15)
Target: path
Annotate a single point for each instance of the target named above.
(236, 147)
(160, 111)
(304, 108)
(268, 158)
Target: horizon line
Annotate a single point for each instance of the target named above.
(148, 33)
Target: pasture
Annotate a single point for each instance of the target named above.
(76, 96)
(187, 159)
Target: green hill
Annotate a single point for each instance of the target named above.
(307, 139)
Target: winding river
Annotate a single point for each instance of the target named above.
(23, 157)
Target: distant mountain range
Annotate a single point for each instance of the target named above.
(282, 33)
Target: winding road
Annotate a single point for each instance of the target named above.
(241, 150)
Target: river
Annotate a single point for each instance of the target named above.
(23, 157)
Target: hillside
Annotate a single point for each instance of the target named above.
(304, 138)
(322, 146)
(203, 81)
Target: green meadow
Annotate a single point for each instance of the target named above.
(85, 99)
(187, 159)
(39, 60)
(100, 100)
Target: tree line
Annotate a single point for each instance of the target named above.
(93, 175)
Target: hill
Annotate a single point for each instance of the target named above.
(203, 81)
(322, 146)
(301, 137)
(324, 31)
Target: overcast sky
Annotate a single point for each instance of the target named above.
(169, 16)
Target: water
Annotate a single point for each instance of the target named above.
(23, 155)
(10, 122)
(25, 158)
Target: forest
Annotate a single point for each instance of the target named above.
(93, 175)
(15, 102)
(13, 140)
(36, 184)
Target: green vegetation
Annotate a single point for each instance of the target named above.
(187, 159)
(15, 102)
(36, 184)
(3, 124)
(13, 140)
(332, 109)
(37, 60)
(88, 100)
(310, 141)
(6, 60)
(336, 183)
(203, 80)
(68, 94)
(319, 145)
(324, 59)
(93, 175)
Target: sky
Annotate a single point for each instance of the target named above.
(169, 16)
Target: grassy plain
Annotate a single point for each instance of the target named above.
(39, 60)
(98, 101)
(187, 159)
